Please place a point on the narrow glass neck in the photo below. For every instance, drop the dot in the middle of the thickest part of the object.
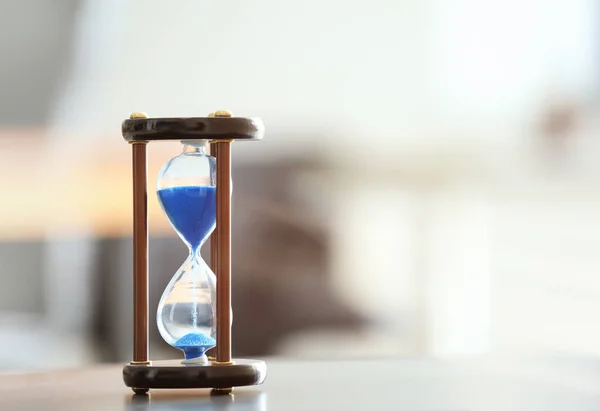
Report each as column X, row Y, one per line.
column 195, row 254
column 198, row 147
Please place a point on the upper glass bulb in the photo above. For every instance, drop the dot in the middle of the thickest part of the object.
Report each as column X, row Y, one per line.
column 187, row 194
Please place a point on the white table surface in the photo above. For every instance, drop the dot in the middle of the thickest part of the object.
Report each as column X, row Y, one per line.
column 402, row 384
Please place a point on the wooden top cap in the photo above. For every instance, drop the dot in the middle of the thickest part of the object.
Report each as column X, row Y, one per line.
column 220, row 125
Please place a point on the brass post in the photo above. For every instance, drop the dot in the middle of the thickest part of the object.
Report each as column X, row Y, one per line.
column 223, row 251
column 214, row 247
column 214, row 241
column 140, row 250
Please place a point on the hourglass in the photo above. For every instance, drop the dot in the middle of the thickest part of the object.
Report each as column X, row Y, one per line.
column 194, row 313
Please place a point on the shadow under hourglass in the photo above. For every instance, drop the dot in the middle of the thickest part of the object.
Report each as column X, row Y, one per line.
column 194, row 400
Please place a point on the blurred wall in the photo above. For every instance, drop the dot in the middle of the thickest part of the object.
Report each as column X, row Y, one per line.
column 423, row 118
column 35, row 49
column 403, row 73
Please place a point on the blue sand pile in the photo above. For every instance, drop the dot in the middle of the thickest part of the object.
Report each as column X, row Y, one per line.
column 194, row 344
column 191, row 210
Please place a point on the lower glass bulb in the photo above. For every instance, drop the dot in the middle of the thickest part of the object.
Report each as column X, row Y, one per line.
column 186, row 311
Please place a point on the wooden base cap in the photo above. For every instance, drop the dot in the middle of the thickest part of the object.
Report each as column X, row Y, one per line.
column 173, row 374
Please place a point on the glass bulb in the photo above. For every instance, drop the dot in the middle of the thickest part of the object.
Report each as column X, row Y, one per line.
column 186, row 311
column 187, row 194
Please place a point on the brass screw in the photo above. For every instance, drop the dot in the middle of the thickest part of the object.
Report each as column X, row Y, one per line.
column 138, row 114
column 222, row 113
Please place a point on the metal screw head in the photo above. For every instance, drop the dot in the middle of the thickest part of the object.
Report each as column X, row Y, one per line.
column 138, row 114
column 223, row 113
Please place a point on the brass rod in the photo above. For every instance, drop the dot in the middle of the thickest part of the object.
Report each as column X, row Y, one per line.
column 140, row 254
column 223, row 272
column 214, row 248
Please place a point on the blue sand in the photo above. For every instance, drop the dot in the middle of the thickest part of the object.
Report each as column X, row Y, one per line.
column 194, row 345
column 191, row 210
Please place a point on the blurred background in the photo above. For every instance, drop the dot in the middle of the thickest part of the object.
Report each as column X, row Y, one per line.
column 429, row 183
